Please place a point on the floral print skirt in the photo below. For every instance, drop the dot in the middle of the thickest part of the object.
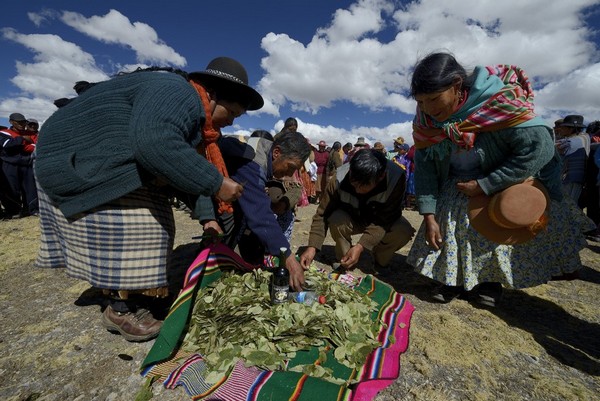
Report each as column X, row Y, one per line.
column 466, row 258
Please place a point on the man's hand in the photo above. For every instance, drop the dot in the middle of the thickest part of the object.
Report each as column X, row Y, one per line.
column 351, row 257
column 230, row 190
column 307, row 257
column 296, row 273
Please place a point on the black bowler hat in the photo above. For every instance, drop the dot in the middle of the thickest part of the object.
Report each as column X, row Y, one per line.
column 229, row 73
column 17, row 117
column 573, row 120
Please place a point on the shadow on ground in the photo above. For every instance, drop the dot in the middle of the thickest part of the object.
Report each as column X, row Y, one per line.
column 574, row 342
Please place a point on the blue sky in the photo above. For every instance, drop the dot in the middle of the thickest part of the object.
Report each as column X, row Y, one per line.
column 342, row 68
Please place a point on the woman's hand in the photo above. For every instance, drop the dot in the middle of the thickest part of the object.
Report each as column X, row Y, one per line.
column 470, row 188
column 211, row 230
column 433, row 236
column 230, row 190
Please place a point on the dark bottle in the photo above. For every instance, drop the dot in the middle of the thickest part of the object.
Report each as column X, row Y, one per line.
column 280, row 283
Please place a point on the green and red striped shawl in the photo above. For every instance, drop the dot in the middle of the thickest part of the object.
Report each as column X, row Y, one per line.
column 510, row 106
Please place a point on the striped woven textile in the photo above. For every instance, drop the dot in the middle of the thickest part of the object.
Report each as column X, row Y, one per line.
column 175, row 368
column 122, row 245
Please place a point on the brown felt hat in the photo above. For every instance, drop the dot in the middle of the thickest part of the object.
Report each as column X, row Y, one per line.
column 512, row 216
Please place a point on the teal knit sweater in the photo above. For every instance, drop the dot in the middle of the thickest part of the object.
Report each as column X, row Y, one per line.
column 507, row 157
column 122, row 134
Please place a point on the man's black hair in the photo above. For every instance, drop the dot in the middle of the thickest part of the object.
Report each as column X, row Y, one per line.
column 366, row 166
column 293, row 145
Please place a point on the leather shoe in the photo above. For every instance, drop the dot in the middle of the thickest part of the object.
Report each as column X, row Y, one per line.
column 138, row 326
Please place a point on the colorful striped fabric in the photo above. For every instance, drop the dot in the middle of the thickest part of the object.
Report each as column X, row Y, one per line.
column 175, row 368
column 511, row 106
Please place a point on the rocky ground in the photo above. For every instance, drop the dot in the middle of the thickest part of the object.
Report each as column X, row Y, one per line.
column 541, row 343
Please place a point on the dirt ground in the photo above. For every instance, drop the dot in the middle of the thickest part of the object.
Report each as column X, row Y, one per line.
column 541, row 343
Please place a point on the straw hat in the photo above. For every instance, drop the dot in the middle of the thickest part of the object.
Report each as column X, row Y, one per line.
column 512, row 216
column 360, row 141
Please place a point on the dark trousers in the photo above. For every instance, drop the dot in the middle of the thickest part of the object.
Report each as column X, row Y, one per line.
column 237, row 234
column 10, row 203
column 21, row 186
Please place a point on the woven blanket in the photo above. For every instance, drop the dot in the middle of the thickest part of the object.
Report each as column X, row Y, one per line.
column 173, row 367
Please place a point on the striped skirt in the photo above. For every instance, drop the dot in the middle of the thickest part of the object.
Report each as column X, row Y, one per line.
column 122, row 245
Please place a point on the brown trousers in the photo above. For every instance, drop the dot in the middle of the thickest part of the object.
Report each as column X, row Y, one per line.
column 342, row 227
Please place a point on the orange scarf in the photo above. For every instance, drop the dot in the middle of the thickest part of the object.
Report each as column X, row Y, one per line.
column 208, row 147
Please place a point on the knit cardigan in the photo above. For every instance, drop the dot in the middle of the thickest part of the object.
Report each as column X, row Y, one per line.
column 507, row 157
column 122, row 134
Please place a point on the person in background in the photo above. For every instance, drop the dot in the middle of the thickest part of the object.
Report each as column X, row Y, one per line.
column 321, row 157
column 557, row 130
column 574, row 148
column 379, row 146
column 261, row 133
column 335, row 160
column 253, row 226
column 347, row 148
column 290, row 124
column 463, row 159
column 402, row 160
column 17, row 148
column 362, row 199
column 360, row 144
column 104, row 198
column 411, row 199
column 592, row 180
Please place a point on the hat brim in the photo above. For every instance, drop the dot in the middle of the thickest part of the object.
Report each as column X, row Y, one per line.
column 480, row 220
column 573, row 125
column 248, row 95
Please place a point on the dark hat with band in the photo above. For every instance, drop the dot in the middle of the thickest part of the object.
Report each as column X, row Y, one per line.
column 573, row 120
column 17, row 117
column 225, row 71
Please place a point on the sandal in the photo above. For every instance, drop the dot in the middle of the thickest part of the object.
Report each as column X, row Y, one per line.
column 446, row 293
column 487, row 294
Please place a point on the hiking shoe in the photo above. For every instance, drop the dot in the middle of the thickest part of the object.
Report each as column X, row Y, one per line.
column 486, row 294
column 138, row 326
column 446, row 293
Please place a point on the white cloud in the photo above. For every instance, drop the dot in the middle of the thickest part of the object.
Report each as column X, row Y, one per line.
column 56, row 66
column 362, row 57
column 346, row 62
column 116, row 28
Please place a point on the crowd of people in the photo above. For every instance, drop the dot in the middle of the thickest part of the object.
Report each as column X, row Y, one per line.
column 498, row 196
column 18, row 192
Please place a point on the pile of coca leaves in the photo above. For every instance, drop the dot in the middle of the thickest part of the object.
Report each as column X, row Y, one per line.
column 234, row 319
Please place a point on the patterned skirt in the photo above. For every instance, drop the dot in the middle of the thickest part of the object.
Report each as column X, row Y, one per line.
column 467, row 258
column 122, row 245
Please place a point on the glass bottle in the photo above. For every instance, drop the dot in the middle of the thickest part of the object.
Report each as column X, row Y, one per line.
column 280, row 283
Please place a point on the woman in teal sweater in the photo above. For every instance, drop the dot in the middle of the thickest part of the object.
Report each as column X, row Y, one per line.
column 105, row 165
column 477, row 135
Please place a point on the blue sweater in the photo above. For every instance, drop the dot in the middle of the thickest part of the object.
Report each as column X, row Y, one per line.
column 122, row 134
